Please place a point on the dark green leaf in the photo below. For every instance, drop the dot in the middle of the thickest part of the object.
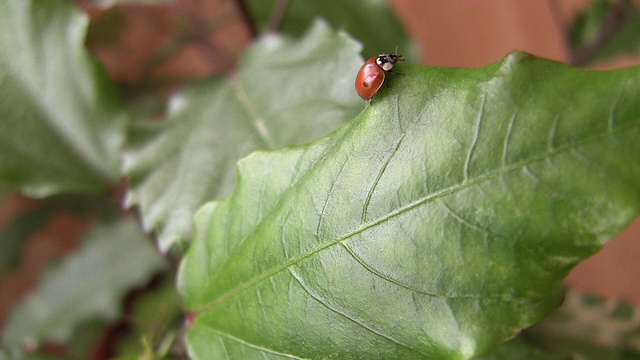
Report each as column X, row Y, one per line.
column 370, row 21
column 87, row 285
column 177, row 165
column 588, row 22
column 435, row 225
column 605, row 29
column 34, row 357
column 588, row 328
column 62, row 125
column 86, row 337
column 14, row 236
column 626, row 39
column 152, row 319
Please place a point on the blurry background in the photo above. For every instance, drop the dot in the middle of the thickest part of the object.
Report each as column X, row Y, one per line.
column 151, row 52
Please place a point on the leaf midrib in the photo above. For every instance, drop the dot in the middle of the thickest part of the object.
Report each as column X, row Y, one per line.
column 431, row 197
column 257, row 122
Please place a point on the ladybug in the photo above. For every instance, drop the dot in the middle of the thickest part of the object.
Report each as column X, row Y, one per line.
column 371, row 75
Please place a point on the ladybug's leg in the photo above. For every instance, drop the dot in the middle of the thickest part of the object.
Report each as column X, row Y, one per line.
column 392, row 73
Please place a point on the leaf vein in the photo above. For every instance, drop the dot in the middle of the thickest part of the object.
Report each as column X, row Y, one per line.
column 464, row 221
column 474, row 142
column 553, row 134
column 257, row 122
column 326, row 200
column 507, row 138
column 365, row 208
column 384, row 277
column 252, row 346
column 342, row 314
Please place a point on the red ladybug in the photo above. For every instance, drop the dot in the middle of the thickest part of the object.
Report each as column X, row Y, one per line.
column 371, row 75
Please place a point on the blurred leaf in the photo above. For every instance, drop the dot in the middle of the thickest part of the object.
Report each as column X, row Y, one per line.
column 14, row 236
column 108, row 3
column 86, row 338
column 370, row 21
column 605, row 29
column 588, row 328
column 62, row 125
column 587, row 23
column 33, row 357
column 435, row 225
column 177, row 165
column 153, row 318
column 518, row 349
column 87, row 285
column 626, row 39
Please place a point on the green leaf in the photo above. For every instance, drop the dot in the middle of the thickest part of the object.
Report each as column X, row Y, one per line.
column 588, row 22
column 108, row 3
column 34, row 357
column 370, row 21
column 87, row 285
column 13, row 236
column 588, row 328
column 62, row 124
column 626, row 39
column 605, row 29
column 435, row 225
column 177, row 165
column 152, row 317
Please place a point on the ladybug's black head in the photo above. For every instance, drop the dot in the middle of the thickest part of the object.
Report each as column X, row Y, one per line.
column 387, row 61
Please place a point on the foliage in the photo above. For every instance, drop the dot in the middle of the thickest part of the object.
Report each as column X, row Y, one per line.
column 435, row 223
column 78, row 289
column 53, row 91
column 179, row 164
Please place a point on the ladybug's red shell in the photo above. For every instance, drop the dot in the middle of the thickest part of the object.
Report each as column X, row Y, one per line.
column 372, row 73
column 369, row 79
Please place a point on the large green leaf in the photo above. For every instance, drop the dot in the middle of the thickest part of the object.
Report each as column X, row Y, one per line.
column 87, row 285
column 435, row 225
column 370, row 21
column 179, row 164
column 61, row 125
